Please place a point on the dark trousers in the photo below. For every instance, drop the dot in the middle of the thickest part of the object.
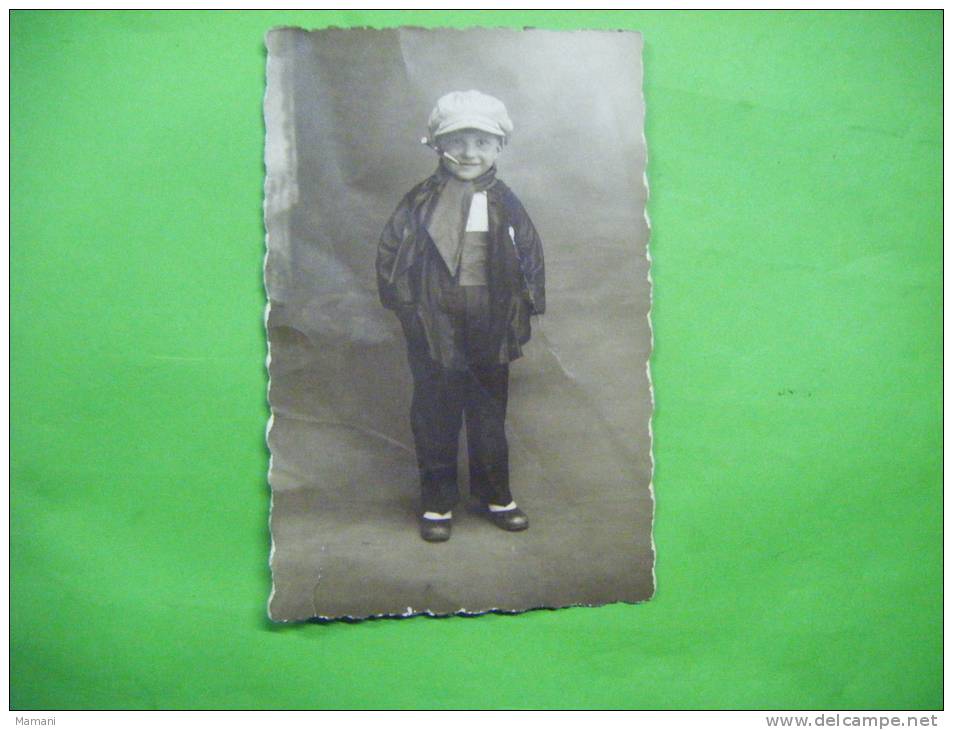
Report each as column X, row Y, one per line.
column 444, row 397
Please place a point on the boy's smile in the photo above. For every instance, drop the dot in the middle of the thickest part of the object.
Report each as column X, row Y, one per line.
column 475, row 151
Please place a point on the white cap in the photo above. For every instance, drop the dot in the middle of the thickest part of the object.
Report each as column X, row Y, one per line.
column 469, row 110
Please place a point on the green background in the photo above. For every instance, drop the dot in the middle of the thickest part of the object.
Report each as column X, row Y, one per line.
column 795, row 175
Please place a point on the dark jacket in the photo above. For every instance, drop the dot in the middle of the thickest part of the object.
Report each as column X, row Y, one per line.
column 411, row 273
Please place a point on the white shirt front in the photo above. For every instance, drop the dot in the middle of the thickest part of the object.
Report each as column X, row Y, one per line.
column 478, row 220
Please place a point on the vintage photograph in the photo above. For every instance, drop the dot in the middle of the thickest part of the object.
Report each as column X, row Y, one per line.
column 458, row 287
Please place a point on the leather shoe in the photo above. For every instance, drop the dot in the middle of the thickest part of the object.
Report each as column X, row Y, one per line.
column 512, row 520
column 435, row 530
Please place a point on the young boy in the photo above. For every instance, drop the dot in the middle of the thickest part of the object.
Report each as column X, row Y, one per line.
column 461, row 264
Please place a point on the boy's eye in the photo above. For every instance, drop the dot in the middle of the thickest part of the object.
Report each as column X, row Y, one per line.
column 482, row 143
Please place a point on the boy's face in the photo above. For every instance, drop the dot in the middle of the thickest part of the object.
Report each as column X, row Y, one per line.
column 476, row 152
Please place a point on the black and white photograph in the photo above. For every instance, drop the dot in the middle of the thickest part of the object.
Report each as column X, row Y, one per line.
column 458, row 322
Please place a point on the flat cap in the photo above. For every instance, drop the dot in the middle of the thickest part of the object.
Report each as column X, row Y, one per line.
column 469, row 110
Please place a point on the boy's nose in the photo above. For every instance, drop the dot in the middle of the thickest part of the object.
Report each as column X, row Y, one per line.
column 470, row 149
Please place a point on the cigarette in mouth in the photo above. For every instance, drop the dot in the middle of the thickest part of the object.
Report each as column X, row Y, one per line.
column 425, row 141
